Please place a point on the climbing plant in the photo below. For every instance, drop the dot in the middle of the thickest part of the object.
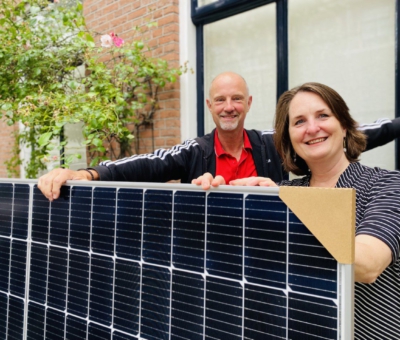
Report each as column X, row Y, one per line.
column 55, row 71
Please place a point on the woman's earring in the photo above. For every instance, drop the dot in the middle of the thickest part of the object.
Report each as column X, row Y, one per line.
column 294, row 157
column 344, row 145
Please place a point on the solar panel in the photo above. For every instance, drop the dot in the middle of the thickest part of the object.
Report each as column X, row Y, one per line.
column 164, row 261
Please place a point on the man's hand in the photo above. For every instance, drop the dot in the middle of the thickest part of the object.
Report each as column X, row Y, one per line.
column 51, row 183
column 207, row 180
column 254, row 181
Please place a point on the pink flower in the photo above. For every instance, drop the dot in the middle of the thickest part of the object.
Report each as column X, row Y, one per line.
column 106, row 40
column 117, row 40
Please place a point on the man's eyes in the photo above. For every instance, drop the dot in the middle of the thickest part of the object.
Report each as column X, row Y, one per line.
column 233, row 98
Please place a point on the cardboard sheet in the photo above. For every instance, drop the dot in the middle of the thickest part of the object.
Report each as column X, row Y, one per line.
column 329, row 214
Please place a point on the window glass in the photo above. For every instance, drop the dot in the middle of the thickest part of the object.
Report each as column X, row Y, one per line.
column 245, row 44
column 201, row 3
column 350, row 46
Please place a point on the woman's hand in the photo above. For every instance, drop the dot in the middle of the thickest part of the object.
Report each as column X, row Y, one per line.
column 254, row 181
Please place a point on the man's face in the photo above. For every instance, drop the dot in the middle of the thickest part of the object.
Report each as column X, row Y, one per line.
column 229, row 102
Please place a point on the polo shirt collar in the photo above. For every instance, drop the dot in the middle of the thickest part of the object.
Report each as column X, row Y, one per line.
column 219, row 151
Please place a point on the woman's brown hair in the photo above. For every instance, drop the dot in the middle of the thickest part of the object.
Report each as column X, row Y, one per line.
column 355, row 140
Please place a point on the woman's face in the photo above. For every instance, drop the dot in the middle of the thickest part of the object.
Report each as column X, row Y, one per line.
column 315, row 133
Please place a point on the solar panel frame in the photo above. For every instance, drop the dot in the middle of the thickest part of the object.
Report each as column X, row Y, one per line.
column 42, row 233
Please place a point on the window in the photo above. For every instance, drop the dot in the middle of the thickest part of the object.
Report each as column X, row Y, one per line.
column 244, row 43
column 348, row 45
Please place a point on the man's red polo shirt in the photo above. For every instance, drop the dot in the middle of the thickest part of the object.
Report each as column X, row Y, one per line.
column 228, row 167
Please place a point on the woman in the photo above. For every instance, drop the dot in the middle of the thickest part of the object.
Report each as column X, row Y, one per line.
column 317, row 137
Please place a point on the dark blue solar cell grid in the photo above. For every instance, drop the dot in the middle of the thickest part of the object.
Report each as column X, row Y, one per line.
column 103, row 220
column 101, row 289
column 189, row 233
column 57, row 279
column 40, row 216
column 187, row 314
column 21, row 211
column 265, row 313
column 59, row 218
column 96, row 332
column 18, row 268
column 6, row 204
column 36, row 321
column 157, row 226
column 312, row 269
column 78, row 284
column 38, row 273
column 228, row 279
column 121, row 336
column 55, row 325
column 15, row 318
column 311, row 317
column 5, row 264
column 3, row 315
column 224, row 301
column 156, row 293
column 76, row 328
column 81, row 212
column 265, row 242
column 129, row 223
column 126, row 296
column 225, row 235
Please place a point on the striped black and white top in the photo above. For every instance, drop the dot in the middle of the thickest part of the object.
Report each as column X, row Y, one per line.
column 377, row 305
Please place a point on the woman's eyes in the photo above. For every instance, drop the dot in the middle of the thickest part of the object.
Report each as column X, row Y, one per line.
column 301, row 121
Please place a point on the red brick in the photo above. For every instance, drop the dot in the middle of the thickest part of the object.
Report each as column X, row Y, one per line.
column 169, row 19
column 172, row 123
column 172, row 141
column 169, row 114
column 159, row 124
column 157, row 32
column 136, row 13
column 171, row 28
column 171, row 9
column 110, row 8
column 173, row 37
column 157, row 14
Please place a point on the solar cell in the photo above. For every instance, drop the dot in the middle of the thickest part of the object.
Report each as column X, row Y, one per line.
column 144, row 261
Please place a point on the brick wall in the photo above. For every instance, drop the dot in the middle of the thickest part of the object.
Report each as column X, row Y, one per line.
column 6, row 145
column 120, row 17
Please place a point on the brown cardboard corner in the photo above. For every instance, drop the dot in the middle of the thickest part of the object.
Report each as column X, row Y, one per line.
column 329, row 214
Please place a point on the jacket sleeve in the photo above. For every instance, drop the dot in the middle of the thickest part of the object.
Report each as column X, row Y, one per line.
column 381, row 132
column 161, row 166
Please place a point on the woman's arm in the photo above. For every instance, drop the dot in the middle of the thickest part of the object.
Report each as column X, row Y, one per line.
column 378, row 232
column 372, row 256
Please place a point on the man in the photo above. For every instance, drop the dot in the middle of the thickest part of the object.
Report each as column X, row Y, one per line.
column 229, row 151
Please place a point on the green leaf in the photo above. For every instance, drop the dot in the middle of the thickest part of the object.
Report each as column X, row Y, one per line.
column 89, row 37
column 44, row 138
